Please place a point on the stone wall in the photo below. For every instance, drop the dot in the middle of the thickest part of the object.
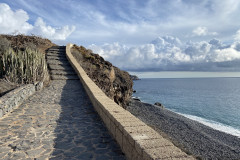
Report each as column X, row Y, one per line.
column 137, row 140
column 13, row 99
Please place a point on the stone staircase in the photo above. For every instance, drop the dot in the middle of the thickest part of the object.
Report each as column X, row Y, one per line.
column 58, row 65
column 57, row 122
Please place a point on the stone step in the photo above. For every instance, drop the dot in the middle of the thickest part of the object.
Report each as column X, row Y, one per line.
column 56, row 62
column 58, row 47
column 57, row 52
column 62, row 72
column 65, row 67
column 59, row 67
column 56, row 58
column 55, row 55
column 64, row 77
column 67, row 64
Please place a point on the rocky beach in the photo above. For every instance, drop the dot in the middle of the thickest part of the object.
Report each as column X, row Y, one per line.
column 191, row 136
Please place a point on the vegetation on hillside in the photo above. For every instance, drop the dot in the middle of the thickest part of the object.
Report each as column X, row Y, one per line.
column 22, row 60
column 115, row 83
column 21, row 42
column 26, row 66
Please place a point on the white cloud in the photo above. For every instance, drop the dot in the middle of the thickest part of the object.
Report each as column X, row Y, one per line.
column 203, row 31
column 226, row 55
column 40, row 28
column 169, row 53
column 17, row 22
column 11, row 21
column 134, row 22
column 137, row 22
column 237, row 35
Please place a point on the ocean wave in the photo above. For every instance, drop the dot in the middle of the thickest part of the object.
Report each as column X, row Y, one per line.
column 215, row 125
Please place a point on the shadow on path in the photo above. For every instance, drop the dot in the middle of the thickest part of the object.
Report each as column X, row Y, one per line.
column 80, row 133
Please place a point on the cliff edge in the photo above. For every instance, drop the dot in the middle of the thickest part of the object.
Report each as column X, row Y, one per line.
column 115, row 83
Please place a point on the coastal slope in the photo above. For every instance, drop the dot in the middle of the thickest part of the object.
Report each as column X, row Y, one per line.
column 115, row 83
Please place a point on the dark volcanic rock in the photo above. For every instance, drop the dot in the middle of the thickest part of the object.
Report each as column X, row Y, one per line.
column 134, row 77
column 158, row 104
column 115, row 83
column 136, row 99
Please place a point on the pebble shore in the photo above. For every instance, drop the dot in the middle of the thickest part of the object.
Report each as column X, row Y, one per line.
column 194, row 138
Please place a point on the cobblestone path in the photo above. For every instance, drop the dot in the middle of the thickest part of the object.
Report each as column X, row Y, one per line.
column 58, row 122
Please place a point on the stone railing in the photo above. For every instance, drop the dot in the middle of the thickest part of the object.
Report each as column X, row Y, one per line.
column 14, row 98
column 137, row 140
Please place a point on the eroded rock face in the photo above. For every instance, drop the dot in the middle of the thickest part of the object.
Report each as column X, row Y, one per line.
column 115, row 83
column 134, row 77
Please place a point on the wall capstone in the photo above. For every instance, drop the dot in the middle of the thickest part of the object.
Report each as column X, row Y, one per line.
column 14, row 98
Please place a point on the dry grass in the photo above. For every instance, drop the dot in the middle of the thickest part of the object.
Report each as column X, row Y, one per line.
column 21, row 42
column 114, row 82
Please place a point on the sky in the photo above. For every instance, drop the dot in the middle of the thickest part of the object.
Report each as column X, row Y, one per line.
column 137, row 35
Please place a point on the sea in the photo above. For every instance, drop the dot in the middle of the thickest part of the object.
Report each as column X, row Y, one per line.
column 214, row 102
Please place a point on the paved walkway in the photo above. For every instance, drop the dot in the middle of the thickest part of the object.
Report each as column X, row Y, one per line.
column 58, row 122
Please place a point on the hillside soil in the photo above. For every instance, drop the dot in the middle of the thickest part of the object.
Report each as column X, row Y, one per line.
column 22, row 41
column 115, row 83
column 5, row 87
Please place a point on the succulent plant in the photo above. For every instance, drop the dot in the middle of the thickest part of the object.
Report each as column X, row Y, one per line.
column 26, row 66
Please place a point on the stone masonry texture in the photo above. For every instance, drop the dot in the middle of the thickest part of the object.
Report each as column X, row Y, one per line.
column 14, row 98
column 137, row 140
column 58, row 122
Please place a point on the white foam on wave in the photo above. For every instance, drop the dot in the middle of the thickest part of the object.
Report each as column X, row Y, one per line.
column 215, row 125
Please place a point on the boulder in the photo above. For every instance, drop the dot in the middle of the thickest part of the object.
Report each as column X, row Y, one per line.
column 38, row 86
column 134, row 77
column 158, row 104
column 136, row 99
